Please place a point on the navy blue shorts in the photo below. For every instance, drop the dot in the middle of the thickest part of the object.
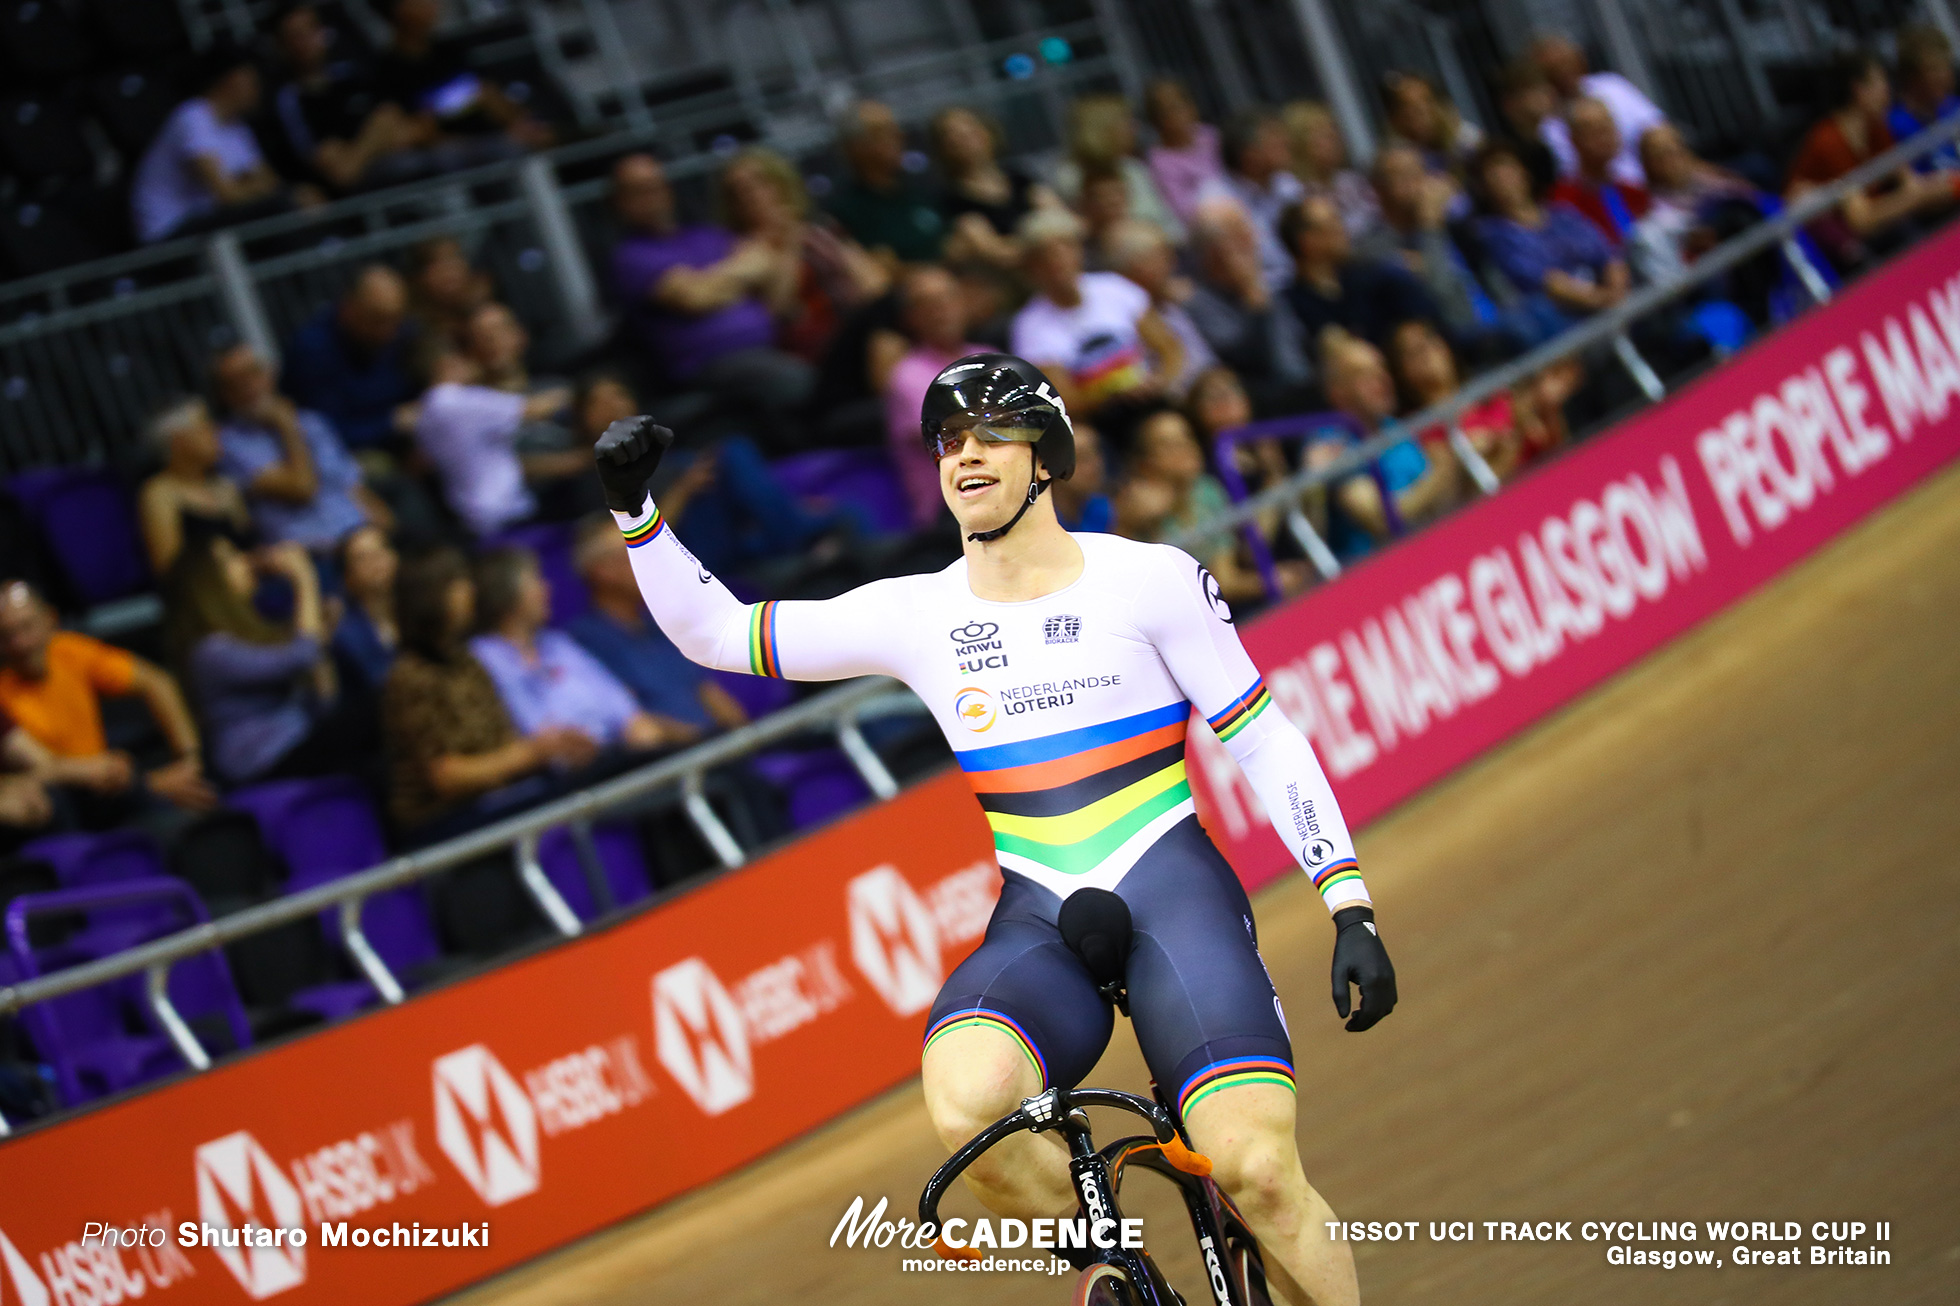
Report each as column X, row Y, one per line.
column 1204, row 1008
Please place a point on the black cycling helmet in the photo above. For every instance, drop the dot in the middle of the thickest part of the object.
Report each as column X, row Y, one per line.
column 1003, row 398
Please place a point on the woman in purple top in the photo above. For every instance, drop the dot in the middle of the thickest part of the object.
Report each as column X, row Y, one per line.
column 265, row 693
column 545, row 678
column 1556, row 258
column 1186, row 155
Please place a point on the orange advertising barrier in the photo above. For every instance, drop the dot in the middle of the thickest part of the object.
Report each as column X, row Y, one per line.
column 510, row 1113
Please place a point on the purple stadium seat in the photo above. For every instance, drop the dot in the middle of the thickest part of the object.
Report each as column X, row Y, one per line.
column 552, row 542
column 88, row 519
column 864, row 477
column 326, row 829
column 86, row 1036
column 758, row 695
column 817, row 783
column 84, row 860
column 619, row 853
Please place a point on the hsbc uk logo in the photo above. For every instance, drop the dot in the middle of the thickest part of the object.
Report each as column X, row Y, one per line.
column 245, row 1197
column 486, row 1125
column 27, row 1285
column 705, row 1032
column 898, row 936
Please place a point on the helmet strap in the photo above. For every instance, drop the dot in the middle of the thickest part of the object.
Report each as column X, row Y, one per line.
column 1035, row 486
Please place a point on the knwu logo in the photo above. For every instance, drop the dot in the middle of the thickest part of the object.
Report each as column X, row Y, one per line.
column 27, row 1285
column 233, row 1173
column 485, row 1125
column 700, row 1037
column 893, row 940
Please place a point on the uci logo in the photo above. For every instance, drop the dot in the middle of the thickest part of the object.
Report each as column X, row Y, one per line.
column 975, row 709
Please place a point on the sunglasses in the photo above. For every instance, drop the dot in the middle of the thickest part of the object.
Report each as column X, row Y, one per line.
column 951, row 439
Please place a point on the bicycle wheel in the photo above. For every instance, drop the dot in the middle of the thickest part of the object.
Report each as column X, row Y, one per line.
column 1103, row 1285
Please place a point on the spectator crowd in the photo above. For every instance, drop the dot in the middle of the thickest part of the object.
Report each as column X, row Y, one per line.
column 383, row 556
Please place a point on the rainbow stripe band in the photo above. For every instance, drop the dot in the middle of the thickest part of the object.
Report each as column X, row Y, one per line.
column 763, row 659
column 981, row 1018
column 1336, row 873
column 1241, row 710
column 645, row 532
column 1229, row 1074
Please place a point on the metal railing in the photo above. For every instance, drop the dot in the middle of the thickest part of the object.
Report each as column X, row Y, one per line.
column 1607, row 330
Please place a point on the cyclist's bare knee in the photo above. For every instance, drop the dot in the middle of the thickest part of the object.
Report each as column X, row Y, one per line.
column 1247, row 1131
column 972, row 1078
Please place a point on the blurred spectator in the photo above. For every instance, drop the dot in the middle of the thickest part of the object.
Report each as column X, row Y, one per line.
column 1695, row 207
column 351, row 363
column 1186, row 154
column 1853, row 132
column 469, row 432
column 726, row 499
column 26, row 771
column 1564, row 64
column 431, row 79
column 985, row 200
column 1320, row 161
column 265, row 693
column 1093, row 333
column 1422, row 116
column 302, row 483
column 449, row 738
column 1166, row 451
column 1102, row 137
column 1104, row 205
column 546, row 679
column 52, row 683
column 204, row 169
column 1217, row 404
column 701, row 301
column 188, row 496
column 763, row 200
column 1925, row 92
column 1413, row 235
column 935, row 322
column 1610, row 204
column 443, row 290
column 619, row 632
column 1081, row 502
column 1257, row 180
column 1332, row 287
column 1242, row 321
column 883, row 207
column 366, row 636
column 1359, row 384
column 1525, row 102
column 1143, row 254
column 1427, row 371
column 1557, row 261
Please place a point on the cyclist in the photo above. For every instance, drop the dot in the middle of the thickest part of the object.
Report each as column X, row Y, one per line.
column 1063, row 670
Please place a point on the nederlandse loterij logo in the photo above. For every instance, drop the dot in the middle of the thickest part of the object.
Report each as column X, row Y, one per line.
column 975, row 709
column 893, row 940
column 699, row 1036
column 485, row 1125
column 239, row 1186
column 28, row 1290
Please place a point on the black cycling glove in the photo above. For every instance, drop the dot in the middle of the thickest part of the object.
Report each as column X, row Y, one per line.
column 627, row 455
column 1361, row 960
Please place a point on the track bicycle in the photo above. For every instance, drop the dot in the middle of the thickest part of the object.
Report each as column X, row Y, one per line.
column 1095, row 924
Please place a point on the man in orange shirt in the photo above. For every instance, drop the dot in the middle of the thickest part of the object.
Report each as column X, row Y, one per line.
column 51, row 685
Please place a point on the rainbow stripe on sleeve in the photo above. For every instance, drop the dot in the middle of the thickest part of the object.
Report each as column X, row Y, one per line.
column 1233, row 717
column 1336, row 873
column 763, row 659
column 1066, row 802
column 646, row 531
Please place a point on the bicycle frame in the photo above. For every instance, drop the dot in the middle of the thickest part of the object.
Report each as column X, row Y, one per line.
column 1231, row 1256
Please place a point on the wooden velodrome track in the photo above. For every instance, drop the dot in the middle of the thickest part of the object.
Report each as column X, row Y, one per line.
column 1686, row 951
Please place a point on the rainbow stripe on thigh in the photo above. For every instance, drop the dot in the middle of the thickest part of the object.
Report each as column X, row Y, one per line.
column 1226, row 1074
column 981, row 1018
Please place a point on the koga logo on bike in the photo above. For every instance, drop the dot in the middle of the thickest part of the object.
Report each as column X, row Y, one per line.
column 699, row 1036
column 262, row 1246
column 486, row 1125
column 975, row 709
column 1215, row 1271
column 979, row 646
column 894, row 940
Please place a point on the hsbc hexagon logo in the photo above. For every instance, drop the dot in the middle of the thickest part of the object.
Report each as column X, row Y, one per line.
column 239, row 1186
column 486, row 1125
column 701, row 1038
column 894, row 940
column 27, row 1285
